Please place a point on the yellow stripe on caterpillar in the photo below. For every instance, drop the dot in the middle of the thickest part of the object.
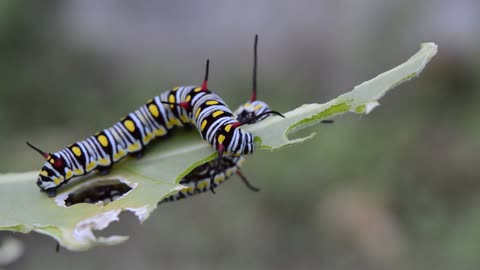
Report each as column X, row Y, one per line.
column 104, row 162
column 160, row 132
column 68, row 174
column 211, row 102
column 91, row 165
column 219, row 178
column 129, row 125
column 120, row 154
column 221, row 138
column 154, row 110
column 203, row 184
column 217, row 113
column 57, row 180
column 134, row 147
column 77, row 151
column 103, row 140
column 198, row 112
column 204, row 123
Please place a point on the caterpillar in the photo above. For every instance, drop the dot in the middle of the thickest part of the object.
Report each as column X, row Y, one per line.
column 178, row 107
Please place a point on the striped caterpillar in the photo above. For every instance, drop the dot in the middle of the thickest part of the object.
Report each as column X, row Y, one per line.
column 181, row 106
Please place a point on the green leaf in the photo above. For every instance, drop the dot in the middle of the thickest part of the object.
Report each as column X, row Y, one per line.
column 24, row 209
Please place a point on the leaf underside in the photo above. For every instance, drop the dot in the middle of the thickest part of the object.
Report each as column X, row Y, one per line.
column 24, row 209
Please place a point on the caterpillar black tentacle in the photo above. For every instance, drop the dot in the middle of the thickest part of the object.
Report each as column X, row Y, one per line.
column 179, row 107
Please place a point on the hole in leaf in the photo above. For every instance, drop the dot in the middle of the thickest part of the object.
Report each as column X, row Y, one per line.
column 100, row 192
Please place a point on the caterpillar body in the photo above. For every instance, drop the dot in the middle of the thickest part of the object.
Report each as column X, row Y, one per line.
column 198, row 180
column 181, row 106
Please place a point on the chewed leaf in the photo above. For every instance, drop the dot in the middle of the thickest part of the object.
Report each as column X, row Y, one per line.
column 363, row 99
column 138, row 185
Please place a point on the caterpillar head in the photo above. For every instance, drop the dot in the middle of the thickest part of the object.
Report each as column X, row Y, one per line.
column 250, row 110
column 50, row 176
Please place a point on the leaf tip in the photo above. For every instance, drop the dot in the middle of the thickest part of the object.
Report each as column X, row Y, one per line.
column 429, row 45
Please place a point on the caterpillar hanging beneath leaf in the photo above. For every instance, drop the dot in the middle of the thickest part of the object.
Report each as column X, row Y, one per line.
column 181, row 106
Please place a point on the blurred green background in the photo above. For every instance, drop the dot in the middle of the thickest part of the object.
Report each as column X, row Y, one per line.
column 397, row 189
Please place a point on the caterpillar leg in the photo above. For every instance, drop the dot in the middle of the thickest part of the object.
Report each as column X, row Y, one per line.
column 246, row 182
column 104, row 170
column 138, row 155
column 52, row 192
column 218, row 166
